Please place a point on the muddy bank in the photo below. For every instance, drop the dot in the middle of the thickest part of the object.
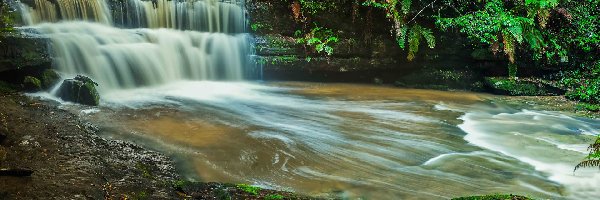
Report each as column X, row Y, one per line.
column 70, row 161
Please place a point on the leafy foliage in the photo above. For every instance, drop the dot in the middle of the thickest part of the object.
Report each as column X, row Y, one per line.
column 320, row 38
column 508, row 27
column 249, row 189
column 316, row 6
column 593, row 158
column 398, row 12
column 583, row 83
column 6, row 24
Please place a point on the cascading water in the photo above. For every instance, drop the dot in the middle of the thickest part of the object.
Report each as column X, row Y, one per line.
column 199, row 15
column 87, row 39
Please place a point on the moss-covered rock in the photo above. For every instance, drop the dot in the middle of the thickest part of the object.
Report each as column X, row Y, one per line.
column 442, row 79
column 81, row 90
column 49, row 78
column 32, row 84
column 520, row 87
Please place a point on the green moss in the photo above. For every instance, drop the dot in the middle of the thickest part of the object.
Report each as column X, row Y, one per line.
column 49, row 78
column 144, row 169
column 31, row 83
column 495, row 197
column 514, row 87
column 274, row 197
column 441, row 79
column 249, row 189
column 588, row 107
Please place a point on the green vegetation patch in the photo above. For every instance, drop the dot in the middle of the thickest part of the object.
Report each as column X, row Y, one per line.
column 249, row 189
column 495, row 197
column 274, row 197
column 31, row 83
column 516, row 87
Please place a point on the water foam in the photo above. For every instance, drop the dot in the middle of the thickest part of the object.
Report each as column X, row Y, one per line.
column 541, row 140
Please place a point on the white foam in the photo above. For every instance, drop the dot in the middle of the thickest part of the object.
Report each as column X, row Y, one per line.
column 525, row 136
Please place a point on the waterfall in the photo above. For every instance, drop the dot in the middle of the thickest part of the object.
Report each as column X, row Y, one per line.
column 132, row 43
column 199, row 15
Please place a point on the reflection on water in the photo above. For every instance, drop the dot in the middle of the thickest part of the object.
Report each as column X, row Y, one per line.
column 356, row 141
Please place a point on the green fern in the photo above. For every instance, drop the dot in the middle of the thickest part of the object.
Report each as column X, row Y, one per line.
column 397, row 11
column 401, row 36
column 593, row 158
column 406, row 6
column 417, row 33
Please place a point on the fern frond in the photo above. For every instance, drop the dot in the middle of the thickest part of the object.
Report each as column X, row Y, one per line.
column 587, row 163
column 509, row 46
column 401, row 36
column 516, row 31
column 406, row 6
column 429, row 38
column 414, row 40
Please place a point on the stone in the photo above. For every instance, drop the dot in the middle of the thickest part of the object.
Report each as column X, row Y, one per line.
column 80, row 89
column 17, row 172
column 49, row 79
column 3, row 153
column 520, row 87
column 32, row 84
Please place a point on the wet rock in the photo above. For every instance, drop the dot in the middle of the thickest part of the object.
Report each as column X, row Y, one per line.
column 3, row 154
column 18, row 172
column 20, row 50
column 49, row 78
column 2, row 137
column 81, row 90
column 32, row 84
column 520, row 87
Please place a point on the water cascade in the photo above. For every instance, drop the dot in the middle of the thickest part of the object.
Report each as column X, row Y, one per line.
column 198, row 15
column 133, row 43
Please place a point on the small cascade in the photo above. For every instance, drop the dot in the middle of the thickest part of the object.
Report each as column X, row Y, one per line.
column 198, row 15
column 65, row 10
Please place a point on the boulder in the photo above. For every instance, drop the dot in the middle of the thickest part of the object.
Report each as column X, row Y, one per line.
column 80, row 90
column 49, row 78
column 32, row 84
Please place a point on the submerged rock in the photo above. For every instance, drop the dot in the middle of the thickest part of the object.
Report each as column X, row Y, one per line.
column 81, row 90
column 32, row 84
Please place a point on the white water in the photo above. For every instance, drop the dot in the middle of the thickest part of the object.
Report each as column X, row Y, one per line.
column 198, row 15
column 124, row 58
column 551, row 142
column 86, row 39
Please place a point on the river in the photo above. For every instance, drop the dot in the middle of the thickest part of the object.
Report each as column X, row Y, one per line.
column 355, row 141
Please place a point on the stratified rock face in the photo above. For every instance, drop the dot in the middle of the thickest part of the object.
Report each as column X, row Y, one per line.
column 23, row 49
column 81, row 90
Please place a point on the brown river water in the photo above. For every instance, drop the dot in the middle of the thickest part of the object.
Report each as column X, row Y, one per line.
column 355, row 141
